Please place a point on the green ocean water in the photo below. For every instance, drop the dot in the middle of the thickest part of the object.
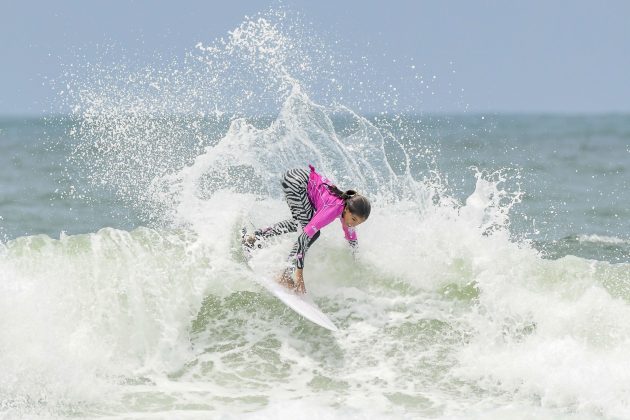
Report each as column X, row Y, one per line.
column 573, row 171
column 462, row 302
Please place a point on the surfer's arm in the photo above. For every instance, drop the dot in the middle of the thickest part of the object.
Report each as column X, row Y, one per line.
column 299, row 281
column 298, row 253
column 301, row 246
column 354, row 248
column 351, row 237
column 287, row 280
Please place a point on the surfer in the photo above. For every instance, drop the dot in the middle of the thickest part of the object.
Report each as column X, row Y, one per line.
column 314, row 203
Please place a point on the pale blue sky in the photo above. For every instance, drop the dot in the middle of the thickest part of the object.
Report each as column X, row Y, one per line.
column 494, row 56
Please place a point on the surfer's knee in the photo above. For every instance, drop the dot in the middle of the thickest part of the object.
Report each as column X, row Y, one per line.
column 288, row 176
column 285, row 181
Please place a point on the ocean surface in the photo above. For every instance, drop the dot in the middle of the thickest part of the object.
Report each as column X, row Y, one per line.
column 493, row 279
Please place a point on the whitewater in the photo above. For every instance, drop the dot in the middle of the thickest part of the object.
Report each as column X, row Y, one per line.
column 448, row 312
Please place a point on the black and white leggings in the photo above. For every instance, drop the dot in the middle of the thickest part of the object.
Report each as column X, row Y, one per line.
column 294, row 183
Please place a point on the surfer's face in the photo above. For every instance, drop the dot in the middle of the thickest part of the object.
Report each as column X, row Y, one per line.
column 351, row 220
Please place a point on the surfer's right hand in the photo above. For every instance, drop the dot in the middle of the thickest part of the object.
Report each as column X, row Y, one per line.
column 299, row 281
column 286, row 279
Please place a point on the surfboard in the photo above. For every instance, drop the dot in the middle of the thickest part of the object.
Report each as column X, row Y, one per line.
column 299, row 303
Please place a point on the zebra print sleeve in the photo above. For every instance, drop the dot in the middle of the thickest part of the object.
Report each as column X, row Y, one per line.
column 301, row 246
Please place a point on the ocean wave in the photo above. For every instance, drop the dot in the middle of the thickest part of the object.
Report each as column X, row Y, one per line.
column 603, row 239
column 126, row 311
column 443, row 312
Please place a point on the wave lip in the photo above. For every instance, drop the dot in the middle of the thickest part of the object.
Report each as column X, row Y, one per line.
column 603, row 239
column 605, row 248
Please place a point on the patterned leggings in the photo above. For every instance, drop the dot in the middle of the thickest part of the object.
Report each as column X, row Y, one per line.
column 294, row 182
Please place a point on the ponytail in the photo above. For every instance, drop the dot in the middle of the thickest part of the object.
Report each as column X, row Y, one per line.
column 344, row 195
column 356, row 203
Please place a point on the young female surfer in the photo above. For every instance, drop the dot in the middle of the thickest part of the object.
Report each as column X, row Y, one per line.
column 314, row 203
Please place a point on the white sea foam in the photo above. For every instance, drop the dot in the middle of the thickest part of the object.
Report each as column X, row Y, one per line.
column 444, row 315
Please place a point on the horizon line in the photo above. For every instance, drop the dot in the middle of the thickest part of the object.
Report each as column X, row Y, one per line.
column 371, row 114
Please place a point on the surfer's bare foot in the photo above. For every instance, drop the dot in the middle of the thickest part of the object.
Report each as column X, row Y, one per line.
column 247, row 239
column 252, row 241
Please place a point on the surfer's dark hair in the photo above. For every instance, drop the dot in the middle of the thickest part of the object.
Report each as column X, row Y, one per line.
column 355, row 203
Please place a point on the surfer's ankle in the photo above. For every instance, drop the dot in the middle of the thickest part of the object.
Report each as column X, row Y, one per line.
column 248, row 239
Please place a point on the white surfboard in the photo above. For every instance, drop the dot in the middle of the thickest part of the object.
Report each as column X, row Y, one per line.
column 294, row 300
column 299, row 303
